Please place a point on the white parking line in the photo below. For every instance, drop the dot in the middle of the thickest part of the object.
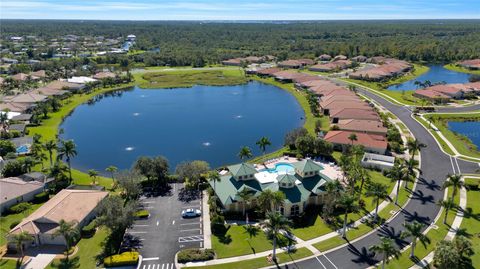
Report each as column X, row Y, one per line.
column 189, row 230
column 158, row 222
column 141, row 225
column 192, row 206
column 148, row 207
column 134, row 232
column 458, row 166
column 190, row 223
column 151, row 259
column 193, row 238
column 453, row 167
column 173, row 222
column 320, row 262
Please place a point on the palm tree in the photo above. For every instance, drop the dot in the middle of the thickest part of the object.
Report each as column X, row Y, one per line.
column 28, row 163
column 352, row 137
column 93, row 174
column 347, row 202
column 40, row 158
column 273, row 225
column 245, row 153
column 215, row 177
column 378, row 192
column 387, row 248
column 263, row 143
column 69, row 231
column 270, row 200
column 58, row 170
column 112, row 169
column 397, row 173
column 365, row 177
column 454, row 181
column 67, row 150
column 414, row 146
column 19, row 239
column 414, row 230
column 50, row 146
column 409, row 171
column 245, row 195
column 447, row 204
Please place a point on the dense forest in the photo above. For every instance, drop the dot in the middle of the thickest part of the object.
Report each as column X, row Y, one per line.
column 199, row 43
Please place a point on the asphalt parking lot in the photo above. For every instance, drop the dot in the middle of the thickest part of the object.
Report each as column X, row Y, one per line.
column 165, row 232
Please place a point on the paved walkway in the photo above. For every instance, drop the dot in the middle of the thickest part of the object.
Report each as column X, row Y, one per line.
column 207, row 232
column 40, row 261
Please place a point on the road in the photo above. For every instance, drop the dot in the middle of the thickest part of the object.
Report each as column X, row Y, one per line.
column 435, row 166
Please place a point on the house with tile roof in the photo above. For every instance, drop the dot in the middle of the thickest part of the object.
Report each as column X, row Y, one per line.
column 14, row 190
column 372, row 143
column 303, row 184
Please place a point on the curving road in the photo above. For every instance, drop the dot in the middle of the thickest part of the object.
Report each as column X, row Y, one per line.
column 473, row 108
column 435, row 166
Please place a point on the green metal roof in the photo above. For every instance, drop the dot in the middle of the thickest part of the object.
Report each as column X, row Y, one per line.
column 286, row 178
column 242, row 169
column 307, row 165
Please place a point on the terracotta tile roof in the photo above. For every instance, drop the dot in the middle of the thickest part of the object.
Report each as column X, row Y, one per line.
column 102, row 75
column 431, row 94
column 15, row 107
column 269, row 71
column 475, row 63
column 39, row 74
column 367, row 140
column 445, row 89
column 338, row 104
column 326, row 67
column 372, row 126
column 354, row 113
column 25, row 98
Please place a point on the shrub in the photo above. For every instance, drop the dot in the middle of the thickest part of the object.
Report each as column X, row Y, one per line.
column 142, row 214
column 13, row 224
column 126, row 258
column 89, row 230
column 195, row 255
column 19, row 208
column 41, row 197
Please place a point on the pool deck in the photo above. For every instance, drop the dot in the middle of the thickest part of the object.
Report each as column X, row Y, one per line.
column 330, row 169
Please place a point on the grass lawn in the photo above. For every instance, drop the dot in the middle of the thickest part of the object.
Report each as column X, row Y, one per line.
column 404, row 97
column 49, row 130
column 461, row 143
column 6, row 221
column 471, row 220
column 260, row 262
column 236, row 242
column 444, row 145
column 189, row 78
column 8, row 263
column 457, row 68
column 85, row 258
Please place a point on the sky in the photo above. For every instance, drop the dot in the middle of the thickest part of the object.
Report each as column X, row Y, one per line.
column 239, row 9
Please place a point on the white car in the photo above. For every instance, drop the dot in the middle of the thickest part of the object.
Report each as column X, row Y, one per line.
column 191, row 213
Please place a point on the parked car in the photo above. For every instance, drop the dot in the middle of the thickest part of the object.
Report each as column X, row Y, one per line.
column 191, row 213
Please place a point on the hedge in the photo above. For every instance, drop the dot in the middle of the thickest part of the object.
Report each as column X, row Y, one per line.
column 19, row 208
column 142, row 214
column 89, row 230
column 41, row 197
column 13, row 224
column 195, row 255
column 126, row 258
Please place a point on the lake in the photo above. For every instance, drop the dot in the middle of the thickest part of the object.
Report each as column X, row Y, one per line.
column 436, row 73
column 470, row 129
column 199, row 123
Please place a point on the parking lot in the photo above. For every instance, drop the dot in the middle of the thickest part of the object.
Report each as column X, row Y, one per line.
column 165, row 232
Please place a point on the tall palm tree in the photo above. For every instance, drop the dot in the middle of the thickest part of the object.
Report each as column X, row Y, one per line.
column 454, row 181
column 270, row 200
column 387, row 248
column 67, row 150
column 364, row 177
column 347, row 202
column 397, row 173
column 215, row 177
column 263, row 143
column 28, row 163
column 414, row 146
column 273, row 225
column 112, row 170
column 69, row 231
column 19, row 239
column 245, row 195
column 414, row 230
column 50, row 146
column 410, row 171
column 245, row 153
column 378, row 192
column 352, row 137
column 93, row 174
column 447, row 204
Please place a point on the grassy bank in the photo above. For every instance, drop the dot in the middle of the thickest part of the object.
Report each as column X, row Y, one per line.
column 456, row 68
column 236, row 242
column 189, row 78
column 471, row 220
column 404, row 97
column 461, row 143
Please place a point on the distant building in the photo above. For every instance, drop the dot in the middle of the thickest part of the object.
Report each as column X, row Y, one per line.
column 131, row 38
column 378, row 161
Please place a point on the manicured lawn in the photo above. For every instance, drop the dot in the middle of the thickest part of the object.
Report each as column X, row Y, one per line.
column 461, row 143
column 8, row 264
column 457, row 68
column 471, row 221
column 260, row 262
column 6, row 221
column 236, row 242
column 188, row 78
column 444, row 145
column 88, row 249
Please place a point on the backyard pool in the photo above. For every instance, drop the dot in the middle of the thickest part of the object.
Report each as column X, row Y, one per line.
column 281, row 168
column 184, row 124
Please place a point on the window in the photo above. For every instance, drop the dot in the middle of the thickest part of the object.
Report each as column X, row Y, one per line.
column 295, row 210
column 240, row 177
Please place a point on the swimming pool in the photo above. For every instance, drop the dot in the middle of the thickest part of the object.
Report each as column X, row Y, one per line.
column 281, row 168
column 23, row 149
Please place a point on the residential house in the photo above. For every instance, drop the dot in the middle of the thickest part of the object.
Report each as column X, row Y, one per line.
column 371, row 143
column 353, row 113
column 362, row 126
column 378, row 161
column 14, row 190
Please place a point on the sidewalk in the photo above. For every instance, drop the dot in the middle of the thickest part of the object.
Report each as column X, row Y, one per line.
column 207, row 232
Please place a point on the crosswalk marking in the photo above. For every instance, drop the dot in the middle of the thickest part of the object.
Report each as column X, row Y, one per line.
column 158, row 266
column 190, row 238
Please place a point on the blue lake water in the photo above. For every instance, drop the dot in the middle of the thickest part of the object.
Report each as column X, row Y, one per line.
column 436, row 74
column 470, row 129
column 199, row 123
